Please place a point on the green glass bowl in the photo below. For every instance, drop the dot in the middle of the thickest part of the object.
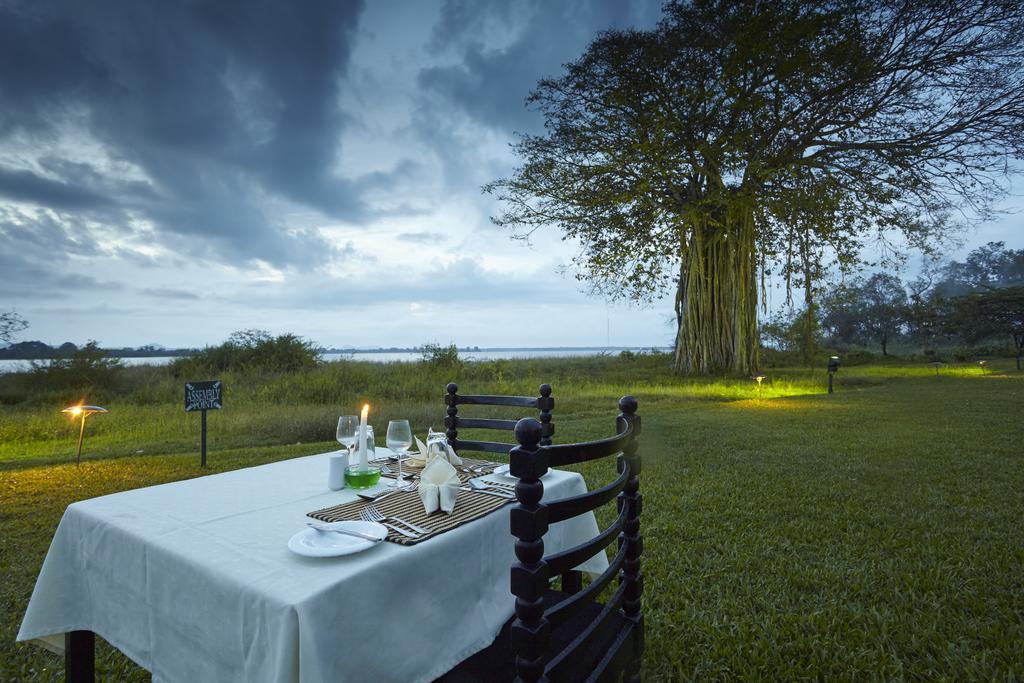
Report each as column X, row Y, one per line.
column 358, row 478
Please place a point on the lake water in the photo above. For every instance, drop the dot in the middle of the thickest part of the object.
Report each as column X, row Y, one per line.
column 389, row 356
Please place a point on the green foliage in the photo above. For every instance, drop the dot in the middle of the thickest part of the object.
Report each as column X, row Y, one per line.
column 866, row 311
column 742, row 134
column 10, row 324
column 440, row 356
column 250, row 350
column 86, row 370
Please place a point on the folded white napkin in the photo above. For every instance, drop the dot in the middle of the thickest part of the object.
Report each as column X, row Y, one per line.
column 436, row 449
column 439, row 486
column 420, row 457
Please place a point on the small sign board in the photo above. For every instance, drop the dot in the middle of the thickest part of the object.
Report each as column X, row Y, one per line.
column 203, row 396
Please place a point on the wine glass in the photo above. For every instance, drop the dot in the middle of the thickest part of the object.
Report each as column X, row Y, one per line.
column 399, row 439
column 348, row 430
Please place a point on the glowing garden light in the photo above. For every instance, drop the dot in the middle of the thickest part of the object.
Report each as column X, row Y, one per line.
column 983, row 364
column 84, row 412
column 759, row 379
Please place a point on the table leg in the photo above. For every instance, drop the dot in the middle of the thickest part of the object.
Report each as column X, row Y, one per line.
column 80, row 657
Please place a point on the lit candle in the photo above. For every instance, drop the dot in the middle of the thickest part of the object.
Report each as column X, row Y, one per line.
column 362, row 437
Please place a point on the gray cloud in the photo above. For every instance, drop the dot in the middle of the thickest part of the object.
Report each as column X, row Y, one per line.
column 26, row 186
column 219, row 105
column 421, row 237
column 169, row 293
column 490, row 84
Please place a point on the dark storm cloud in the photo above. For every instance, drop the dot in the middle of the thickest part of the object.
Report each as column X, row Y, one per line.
column 26, row 186
column 218, row 104
column 490, row 84
column 35, row 254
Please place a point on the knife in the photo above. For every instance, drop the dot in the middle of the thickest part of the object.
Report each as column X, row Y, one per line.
column 347, row 532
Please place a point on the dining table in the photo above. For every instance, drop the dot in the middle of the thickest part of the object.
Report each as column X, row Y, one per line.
column 194, row 581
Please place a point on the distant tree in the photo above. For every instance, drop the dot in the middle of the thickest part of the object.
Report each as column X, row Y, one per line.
column 10, row 324
column 884, row 308
column 688, row 157
column 867, row 311
column 993, row 312
column 788, row 331
column 839, row 312
column 991, row 265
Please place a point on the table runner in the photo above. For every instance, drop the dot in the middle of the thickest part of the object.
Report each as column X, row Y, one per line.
column 194, row 582
column 482, row 467
column 469, row 505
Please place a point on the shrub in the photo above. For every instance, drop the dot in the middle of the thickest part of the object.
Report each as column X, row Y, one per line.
column 440, row 356
column 252, row 350
column 88, row 369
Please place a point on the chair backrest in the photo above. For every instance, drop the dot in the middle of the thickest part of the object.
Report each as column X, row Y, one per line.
column 453, row 421
column 530, row 576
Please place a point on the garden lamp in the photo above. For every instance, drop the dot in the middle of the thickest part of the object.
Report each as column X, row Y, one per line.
column 833, row 368
column 983, row 364
column 84, row 411
column 759, row 379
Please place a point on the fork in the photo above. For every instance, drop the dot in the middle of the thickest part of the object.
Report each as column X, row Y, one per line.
column 377, row 516
column 369, row 517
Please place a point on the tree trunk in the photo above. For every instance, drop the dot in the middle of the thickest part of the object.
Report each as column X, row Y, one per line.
column 810, row 318
column 718, row 296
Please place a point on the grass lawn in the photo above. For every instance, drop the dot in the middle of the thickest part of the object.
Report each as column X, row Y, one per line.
column 875, row 533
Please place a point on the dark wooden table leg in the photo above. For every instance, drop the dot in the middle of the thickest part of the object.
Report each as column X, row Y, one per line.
column 80, row 657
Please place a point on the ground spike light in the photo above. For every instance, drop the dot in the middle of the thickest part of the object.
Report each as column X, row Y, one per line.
column 833, row 368
column 84, row 411
column 759, row 379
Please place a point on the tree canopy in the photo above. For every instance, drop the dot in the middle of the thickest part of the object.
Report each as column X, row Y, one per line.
column 740, row 136
column 10, row 324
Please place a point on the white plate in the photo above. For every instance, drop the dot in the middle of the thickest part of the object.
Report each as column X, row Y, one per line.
column 502, row 470
column 313, row 543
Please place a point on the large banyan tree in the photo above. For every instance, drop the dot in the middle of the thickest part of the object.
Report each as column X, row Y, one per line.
column 740, row 136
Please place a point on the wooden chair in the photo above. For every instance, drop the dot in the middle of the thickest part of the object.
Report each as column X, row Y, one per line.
column 559, row 635
column 544, row 403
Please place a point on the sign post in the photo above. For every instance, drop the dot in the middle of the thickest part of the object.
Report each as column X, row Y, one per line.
column 203, row 396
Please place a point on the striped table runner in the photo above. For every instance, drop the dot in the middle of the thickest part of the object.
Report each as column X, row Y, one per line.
column 410, row 471
column 469, row 505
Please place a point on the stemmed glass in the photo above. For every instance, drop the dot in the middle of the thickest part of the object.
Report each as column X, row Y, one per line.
column 348, row 430
column 399, row 440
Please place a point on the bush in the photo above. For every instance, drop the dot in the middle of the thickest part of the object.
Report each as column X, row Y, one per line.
column 252, row 350
column 88, row 369
column 440, row 356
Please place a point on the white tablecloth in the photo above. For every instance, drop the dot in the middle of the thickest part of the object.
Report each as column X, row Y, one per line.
column 194, row 582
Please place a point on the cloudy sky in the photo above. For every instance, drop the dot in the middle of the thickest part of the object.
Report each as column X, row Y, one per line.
column 173, row 171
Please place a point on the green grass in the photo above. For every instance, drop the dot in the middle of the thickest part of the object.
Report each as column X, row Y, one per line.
column 872, row 534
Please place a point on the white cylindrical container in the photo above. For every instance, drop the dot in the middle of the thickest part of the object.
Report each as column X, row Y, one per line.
column 336, row 470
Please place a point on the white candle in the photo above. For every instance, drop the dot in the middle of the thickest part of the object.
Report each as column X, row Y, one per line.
column 362, row 437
